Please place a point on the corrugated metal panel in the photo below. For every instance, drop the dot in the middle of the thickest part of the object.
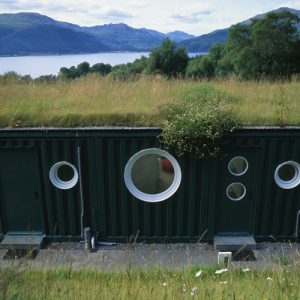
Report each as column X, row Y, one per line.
column 116, row 214
column 113, row 213
column 60, row 209
column 277, row 209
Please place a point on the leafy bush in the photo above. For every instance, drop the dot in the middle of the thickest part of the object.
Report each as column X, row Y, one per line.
column 130, row 71
column 197, row 122
column 200, row 67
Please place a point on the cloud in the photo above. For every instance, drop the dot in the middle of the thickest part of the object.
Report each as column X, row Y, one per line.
column 192, row 14
column 111, row 14
column 117, row 14
column 20, row 5
column 292, row 4
column 137, row 4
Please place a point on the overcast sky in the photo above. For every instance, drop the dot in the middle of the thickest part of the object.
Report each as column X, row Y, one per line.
column 195, row 17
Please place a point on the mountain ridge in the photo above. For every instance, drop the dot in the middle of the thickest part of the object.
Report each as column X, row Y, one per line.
column 32, row 33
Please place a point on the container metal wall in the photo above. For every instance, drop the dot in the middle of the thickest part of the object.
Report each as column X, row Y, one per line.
column 60, row 208
column 194, row 211
column 117, row 214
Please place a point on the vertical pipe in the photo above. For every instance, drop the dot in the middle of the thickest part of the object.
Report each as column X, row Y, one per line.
column 80, row 188
column 297, row 225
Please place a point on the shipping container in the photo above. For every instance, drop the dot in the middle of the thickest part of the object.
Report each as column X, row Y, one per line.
column 118, row 182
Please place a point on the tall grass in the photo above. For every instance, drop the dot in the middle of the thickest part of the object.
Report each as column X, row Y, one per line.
column 95, row 100
column 265, row 103
column 87, row 101
column 154, row 284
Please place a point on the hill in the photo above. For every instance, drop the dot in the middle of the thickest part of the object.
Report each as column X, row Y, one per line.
column 120, row 37
column 32, row 33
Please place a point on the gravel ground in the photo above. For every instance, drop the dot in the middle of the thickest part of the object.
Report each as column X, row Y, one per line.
column 136, row 246
column 110, row 256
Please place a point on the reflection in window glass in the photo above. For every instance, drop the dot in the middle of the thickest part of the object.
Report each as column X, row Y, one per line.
column 236, row 191
column 152, row 174
column 238, row 166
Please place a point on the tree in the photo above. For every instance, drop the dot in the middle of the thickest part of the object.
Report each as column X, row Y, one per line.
column 276, row 42
column 200, row 67
column 101, row 68
column 83, row 68
column 168, row 59
column 269, row 47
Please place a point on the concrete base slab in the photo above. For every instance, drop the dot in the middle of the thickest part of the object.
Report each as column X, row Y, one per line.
column 234, row 243
column 22, row 242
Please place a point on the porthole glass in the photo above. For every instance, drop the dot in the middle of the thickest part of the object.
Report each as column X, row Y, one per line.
column 238, row 166
column 152, row 175
column 63, row 175
column 236, row 191
column 287, row 175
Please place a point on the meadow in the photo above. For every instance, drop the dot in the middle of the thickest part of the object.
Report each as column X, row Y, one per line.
column 192, row 283
column 101, row 101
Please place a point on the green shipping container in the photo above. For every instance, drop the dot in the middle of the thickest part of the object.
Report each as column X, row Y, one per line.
column 57, row 181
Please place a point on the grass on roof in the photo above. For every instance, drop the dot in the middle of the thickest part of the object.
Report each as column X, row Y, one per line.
column 98, row 101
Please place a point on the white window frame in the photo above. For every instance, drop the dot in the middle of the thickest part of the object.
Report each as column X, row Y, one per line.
column 240, row 174
column 152, row 198
column 57, row 182
column 288, row 184
column 239, row 198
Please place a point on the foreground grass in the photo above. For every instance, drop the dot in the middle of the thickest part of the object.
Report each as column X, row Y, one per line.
column 153, row 284
column 96, row 101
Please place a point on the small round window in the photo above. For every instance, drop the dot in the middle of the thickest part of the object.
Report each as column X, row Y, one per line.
column 63, row 175
column 238, row 166
column 287, row 175
column 236, row 191
column 152, row 175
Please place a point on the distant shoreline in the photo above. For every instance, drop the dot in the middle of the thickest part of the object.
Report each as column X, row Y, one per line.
column 89, row 53
column 70, row 53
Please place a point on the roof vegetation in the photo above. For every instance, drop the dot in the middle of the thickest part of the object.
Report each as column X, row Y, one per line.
column 94, row 100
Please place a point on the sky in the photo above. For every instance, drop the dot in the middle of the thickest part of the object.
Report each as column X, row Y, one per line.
column 194, row 17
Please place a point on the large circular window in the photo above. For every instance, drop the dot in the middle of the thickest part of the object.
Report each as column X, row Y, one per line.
column 63, row 175
column 238, row 166
column 236, row 191
column 287, row 175
column 152, row 175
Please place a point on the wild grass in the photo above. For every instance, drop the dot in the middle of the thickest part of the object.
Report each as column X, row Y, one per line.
column 281, row 283
column 87, row 101
column 263, row 102
column 98, row 101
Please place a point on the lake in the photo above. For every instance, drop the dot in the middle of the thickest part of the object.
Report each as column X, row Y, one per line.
column 36, row 66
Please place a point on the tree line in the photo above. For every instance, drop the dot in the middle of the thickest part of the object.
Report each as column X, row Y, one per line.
column 268, row 47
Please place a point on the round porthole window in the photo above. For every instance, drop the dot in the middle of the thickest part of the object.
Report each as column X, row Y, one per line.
column 63, row 175
column 238, row 166
column 152, row 175
column 287, row 175
column 236, row 191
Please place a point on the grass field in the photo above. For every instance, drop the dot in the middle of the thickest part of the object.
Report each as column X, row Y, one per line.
column 154, row 284
column 95, row 101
